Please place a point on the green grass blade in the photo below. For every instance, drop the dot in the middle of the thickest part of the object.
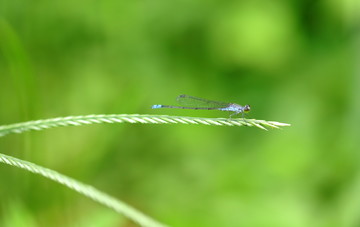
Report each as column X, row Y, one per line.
column 84, row 189
column 133, row 118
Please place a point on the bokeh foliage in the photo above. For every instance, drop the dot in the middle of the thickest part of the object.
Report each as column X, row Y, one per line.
column 292, row 61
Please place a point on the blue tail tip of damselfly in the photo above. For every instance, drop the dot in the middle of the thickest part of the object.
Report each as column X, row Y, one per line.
column 156, row 106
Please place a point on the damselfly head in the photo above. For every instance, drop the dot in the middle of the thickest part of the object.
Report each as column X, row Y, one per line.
column 246, row 108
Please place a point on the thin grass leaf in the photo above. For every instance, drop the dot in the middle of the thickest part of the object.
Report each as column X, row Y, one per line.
column 133, row 118
column 84, row 189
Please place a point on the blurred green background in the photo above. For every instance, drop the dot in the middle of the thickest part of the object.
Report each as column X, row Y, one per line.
column 292, row 61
